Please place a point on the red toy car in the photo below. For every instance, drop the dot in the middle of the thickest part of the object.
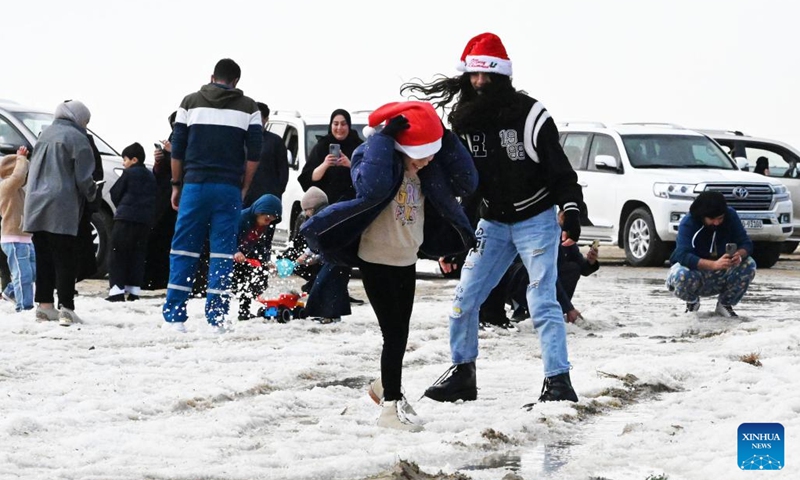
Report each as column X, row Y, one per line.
column 284, row 308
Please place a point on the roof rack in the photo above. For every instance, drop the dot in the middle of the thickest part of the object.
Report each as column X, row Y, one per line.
column 655, row 124
column 582, row 124
column 289, row 113
column 727, row 132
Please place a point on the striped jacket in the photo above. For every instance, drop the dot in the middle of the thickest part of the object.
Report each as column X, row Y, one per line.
column 215, row 130
column 522, row 168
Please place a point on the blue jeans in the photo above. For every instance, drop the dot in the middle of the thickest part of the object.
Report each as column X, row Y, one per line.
column 22, row 263
column 730, row 284
column 536, row 240
column 206, row 210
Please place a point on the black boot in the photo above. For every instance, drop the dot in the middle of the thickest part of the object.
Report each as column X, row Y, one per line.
column 557, row 388
column 460, row 385
column 244, row 310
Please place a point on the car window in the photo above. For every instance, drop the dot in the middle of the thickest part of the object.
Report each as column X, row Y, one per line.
column 9, row 135
column 780, row 160
column 290, row 139
column 603, row 145
column 102, row 146
column 276, row 128
column 675, row 151
column 35, row 122
column 574, row 147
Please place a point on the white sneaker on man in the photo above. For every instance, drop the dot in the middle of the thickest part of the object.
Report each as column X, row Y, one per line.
column 179, row 327
column 725, row 311
column 46, row 314
column 376, row 391
column 67, row 317
column 394, row 414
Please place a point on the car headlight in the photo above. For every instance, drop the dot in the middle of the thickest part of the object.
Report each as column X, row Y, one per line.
column 780, row 193
column 684, row 191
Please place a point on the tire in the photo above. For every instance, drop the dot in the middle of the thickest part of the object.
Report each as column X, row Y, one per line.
column 766, row 254
column 643, row 247
column 284, row 315
column 299, row 312
column 789, row 247
column 261, row 312
column 102, row 222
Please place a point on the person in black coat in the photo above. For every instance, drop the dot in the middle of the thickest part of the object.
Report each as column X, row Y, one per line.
column 156, row 268
column 327, row 171
column 134, row 195
column 272, row 174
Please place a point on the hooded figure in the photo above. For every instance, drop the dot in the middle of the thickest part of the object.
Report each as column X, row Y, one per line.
column 335, row 182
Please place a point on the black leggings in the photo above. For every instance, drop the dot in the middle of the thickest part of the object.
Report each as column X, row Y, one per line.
column 391, row 293
column 56, row 267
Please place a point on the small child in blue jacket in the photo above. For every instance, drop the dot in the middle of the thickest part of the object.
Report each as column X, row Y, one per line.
column 253, row 255
column 134, row 196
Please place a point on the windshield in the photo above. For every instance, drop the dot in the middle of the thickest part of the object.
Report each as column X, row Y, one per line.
column 36, row 122
column 675, row 151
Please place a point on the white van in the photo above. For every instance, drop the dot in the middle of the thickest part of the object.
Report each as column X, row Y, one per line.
column 300, row 134
column 639, row 179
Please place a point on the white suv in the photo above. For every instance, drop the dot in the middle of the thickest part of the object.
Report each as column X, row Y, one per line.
column 784, row 166
column 300, row 134
column 639, row 179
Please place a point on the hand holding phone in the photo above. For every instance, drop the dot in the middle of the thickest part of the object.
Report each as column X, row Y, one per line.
column 158, row 146
column 730, row 249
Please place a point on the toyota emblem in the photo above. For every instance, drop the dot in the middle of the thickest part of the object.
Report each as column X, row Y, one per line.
column 740, row 192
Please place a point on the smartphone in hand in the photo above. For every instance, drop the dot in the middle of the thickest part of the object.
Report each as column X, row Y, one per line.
column 730, row 249
column 335, row 149
column 158, row 146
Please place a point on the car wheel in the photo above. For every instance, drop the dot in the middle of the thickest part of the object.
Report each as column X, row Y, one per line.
column 101, row 222
column 766, row 254
column 643, row 247
column 789, row 247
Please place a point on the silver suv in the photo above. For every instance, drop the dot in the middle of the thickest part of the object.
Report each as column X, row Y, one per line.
column 300, row 134
column 21, row 126
column 784, row 166
column 639, row 179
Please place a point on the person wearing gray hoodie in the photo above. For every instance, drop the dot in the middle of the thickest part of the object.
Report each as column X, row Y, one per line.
column 59, row 185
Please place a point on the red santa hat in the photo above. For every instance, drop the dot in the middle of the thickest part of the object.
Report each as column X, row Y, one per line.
column 485, row 53
column 422, row 138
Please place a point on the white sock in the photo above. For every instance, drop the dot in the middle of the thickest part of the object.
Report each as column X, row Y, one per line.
column 133, row 290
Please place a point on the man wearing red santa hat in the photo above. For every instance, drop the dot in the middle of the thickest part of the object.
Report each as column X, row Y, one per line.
column 523, row 174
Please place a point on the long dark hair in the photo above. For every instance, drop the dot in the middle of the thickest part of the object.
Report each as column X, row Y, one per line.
column 471, row 111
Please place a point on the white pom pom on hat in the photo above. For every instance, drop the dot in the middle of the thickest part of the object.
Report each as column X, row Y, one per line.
column 423, row 137
column 485, row 53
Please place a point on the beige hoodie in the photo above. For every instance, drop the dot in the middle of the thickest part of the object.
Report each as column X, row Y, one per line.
column 13, row 173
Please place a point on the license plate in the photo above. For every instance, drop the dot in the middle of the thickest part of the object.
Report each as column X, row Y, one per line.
column 753, row 224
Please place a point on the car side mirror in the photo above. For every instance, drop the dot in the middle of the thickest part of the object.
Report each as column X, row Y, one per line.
column 606, row 162
column 742, row 163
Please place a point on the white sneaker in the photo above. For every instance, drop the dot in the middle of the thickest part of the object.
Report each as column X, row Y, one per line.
column 394, row 415
column 692, row 307
column 46, row 314
column 220, row 328
column 67, row 317
column 376, row 391
column 179, row 327
column 725, row 311
column 376, row 394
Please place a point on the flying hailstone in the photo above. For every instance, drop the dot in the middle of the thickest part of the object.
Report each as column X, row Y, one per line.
column 761, row 462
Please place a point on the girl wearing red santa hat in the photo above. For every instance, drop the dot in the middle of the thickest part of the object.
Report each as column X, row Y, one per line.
column 407, row 178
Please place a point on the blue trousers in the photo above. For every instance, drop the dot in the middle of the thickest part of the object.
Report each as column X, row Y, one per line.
column 536, row 241
column 206, row 210
column 22, row 263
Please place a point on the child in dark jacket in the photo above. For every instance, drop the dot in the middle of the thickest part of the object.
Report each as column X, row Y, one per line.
column 134, row 196
column 253, row 255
